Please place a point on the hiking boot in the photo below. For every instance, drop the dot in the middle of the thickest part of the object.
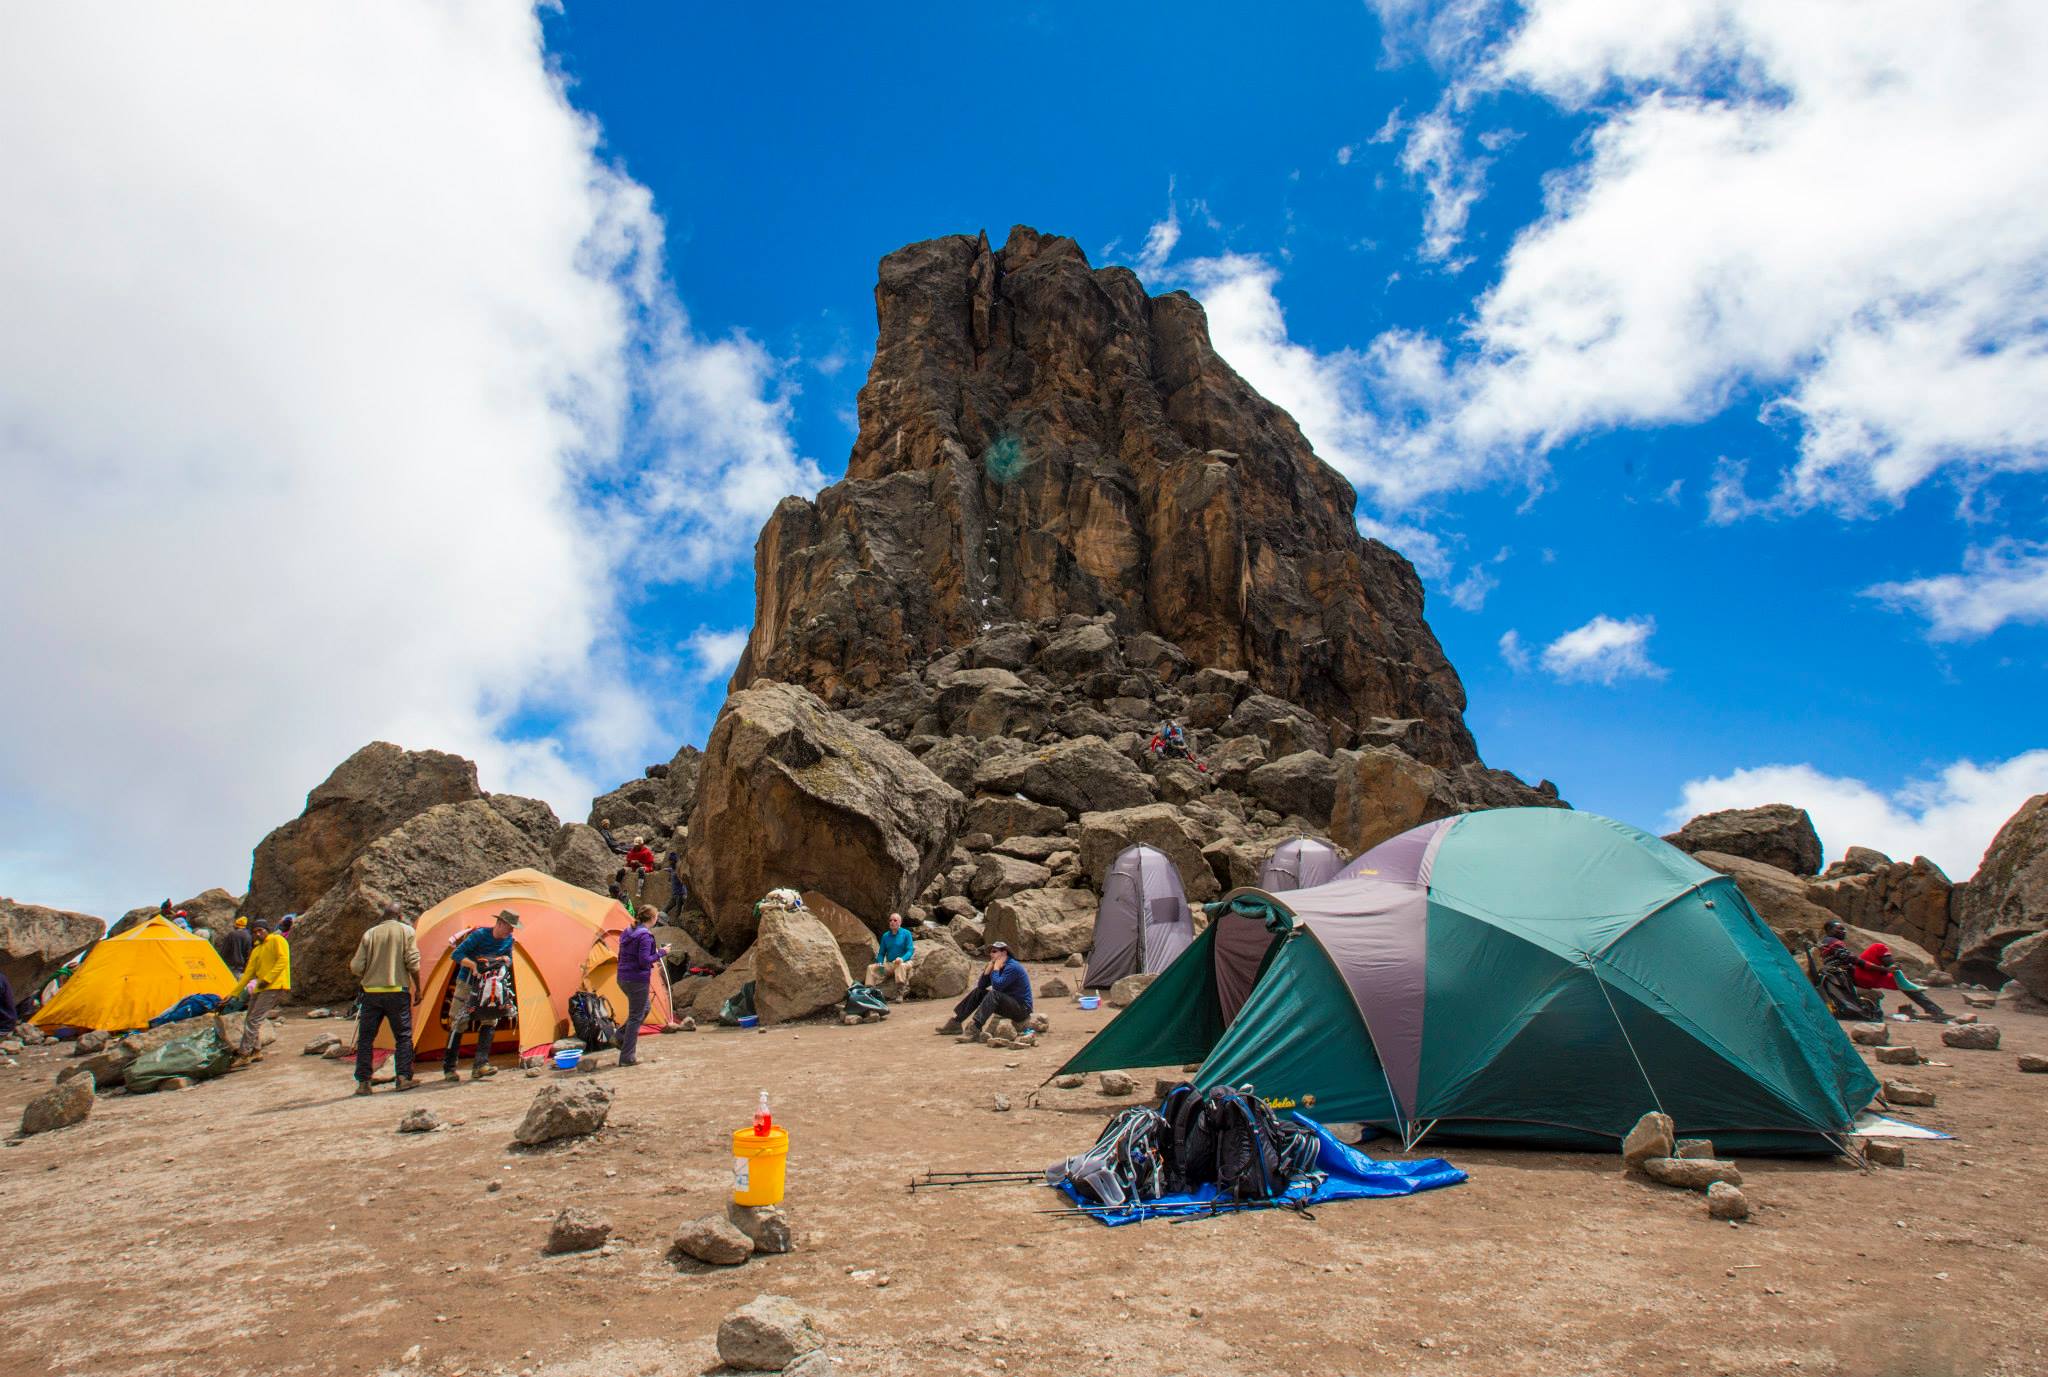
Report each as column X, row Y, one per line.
column 949, row 1027
column 482, row 1070
column 406, row 1082
column 451, row 1074
column 362, row 1087
column 970, row 1033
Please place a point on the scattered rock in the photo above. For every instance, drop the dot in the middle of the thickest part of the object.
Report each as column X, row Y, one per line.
column 767, row 1334
column 175, row 1083
column 713, row 1239
column 1691, row 1173
column 1001, row 1030
column 1883, row 1153
column 1693, row 1149
column 1116, row 1083
column 1870, row 1034
column 2027, row 962
column 1974, row 1037
column 1043, row 924
column 422, row 1121
column 1980, row 999
column 321, row 1044
column 1054, row 988
column 1897, row 1056
column 2029, row 1061
column 939, row 970
column 1129, row 988
column 766, row 1226
column 58, row 1107
column 1901, row 1093
column 1077, row 961
column 1651, row 1138
column 1002, row 1104
column 90, row 1041
column 564, row 1111
column 1726, row 1201
column 576, row 1232
column 1070, row 1081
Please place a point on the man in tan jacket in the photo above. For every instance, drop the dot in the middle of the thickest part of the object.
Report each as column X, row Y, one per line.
column 387, row 961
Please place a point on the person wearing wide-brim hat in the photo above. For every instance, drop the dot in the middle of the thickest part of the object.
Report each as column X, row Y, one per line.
column 483, row 956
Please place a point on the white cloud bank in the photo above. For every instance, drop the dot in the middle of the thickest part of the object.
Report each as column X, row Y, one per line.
column 323, row 325
column 1950, row 818
column 2006, row 581
column 1606, row 650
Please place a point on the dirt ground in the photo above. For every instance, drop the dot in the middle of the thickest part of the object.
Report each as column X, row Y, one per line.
column 270, row 1223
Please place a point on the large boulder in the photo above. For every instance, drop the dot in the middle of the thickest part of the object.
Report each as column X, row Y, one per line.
column 798, row 968
column 1777, row 834
column 579, row 856
column 856, row 940
column 1908, row 898
column 35, row 941
column 1078, row 776
column 1043, row 924
column 211, row 912
column 430, row 856
column 2027, row 962
column 1381, row 793
column 939, row 970
column 2007, row 898
column 1284, row 728
column 373, row 791
column 1301, row 785
column 1003, row 816
column 1783, row 901
column 998, row 877
column 1105, row 836
column 655, row 806
column 793, row 794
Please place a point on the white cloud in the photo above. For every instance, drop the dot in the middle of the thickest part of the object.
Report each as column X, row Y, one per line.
column 1423, row 549
column 1841, row 203
column 2006, row 581
column 1513, row 651
column 1950, row 818
column 1604, row 651
column 323, row 324
column 1344, row 156
column 1452, row 181
column 713, row 653
column 1161, row 239
column 1468, row 594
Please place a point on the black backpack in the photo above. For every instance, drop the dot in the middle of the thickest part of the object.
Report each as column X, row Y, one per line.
column 1188, row 1145
column 1257, row 1154
column 591, row 1016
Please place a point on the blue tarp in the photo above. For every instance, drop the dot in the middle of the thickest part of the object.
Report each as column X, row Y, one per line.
column 1347, row 1174
column 191, row 1006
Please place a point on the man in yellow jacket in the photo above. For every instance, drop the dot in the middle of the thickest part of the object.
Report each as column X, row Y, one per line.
column 268, row 979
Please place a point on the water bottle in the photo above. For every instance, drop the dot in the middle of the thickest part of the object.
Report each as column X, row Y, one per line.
column 763, row 1120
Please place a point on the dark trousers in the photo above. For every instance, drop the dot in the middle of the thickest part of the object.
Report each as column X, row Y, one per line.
column 395, row 1008
column 636, row 1014
column 980, row 1008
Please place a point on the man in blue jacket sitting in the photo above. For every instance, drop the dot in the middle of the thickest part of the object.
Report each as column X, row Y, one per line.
column 1004, row 991
column 893, row 955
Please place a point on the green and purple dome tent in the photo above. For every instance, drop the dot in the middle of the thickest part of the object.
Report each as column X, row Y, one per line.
column 1528, row 974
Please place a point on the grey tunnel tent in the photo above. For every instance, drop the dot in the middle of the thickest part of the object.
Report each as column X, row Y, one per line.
column 1143, row 923
column 1527, row 974
column 1300, row 863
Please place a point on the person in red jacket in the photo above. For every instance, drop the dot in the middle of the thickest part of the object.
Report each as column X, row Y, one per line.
column 641, row 857
column 1877, row 970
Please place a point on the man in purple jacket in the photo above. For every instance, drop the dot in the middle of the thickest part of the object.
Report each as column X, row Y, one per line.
column 637, row 955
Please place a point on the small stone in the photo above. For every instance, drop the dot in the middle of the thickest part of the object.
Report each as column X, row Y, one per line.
column 1899, row 1092
column 1880, row 1153
column 1693, row 1149
column 1070, row 1081
column 91, row 1041
column 60, row 1106
column 1077, row 961
column 688, row 1025
column 175, row 1083
column 1001, row 1030
column 2031, row 1062
column 419, row 1121
column 1870, row 1034
column 1980, row 1037
column 1116, row 1083
column 1650, row 1138
column 1725, row 1201
column 849, row 1020
column 1055, row 988
column 766, row 1226
column 1897, row 1056
column 321, row 1013
column 1980, row 999
column 321, row 1045
column 1002, row 1104
column 564, row 1111
column 576, row 1232
column 1962, row 1019
column 411, row 1356
column 1691, row 1173
column 812, row 1364
column 713, row 1240
column 767, row 1334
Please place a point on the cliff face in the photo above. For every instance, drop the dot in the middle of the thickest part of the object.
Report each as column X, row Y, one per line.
column 1041, row 439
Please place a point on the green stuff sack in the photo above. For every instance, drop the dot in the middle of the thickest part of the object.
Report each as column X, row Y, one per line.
column 738, row 1007
column 197, row 1056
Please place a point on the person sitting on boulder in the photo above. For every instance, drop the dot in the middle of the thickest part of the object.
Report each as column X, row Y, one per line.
column 182, row 919
column 1840, row 970
column 481, row 954
column 893, row 953
column 268, row 979
column 235, row 946
column 1169, row 742
column 1004, row 991
column 641, row 857
column 1878, row 969
column 612, row 844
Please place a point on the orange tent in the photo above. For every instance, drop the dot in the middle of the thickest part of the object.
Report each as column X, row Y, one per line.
column 567, row 940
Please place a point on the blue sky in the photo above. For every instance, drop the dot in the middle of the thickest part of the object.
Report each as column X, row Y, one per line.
column 1695, row 356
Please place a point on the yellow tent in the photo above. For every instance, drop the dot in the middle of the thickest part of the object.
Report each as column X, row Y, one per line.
column 127, row 980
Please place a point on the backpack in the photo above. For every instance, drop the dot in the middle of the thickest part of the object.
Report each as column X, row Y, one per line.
column 740, row 1006
column 861, row 1001
column 590, row 1015
column 1189, row 1148
column 1125, row 1167
column 495, row 998
column 1257, row 1154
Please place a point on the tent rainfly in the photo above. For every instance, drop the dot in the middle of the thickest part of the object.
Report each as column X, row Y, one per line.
column 1143, row 923
column 1527, row 974
column 1302, row 863
column 127, row 980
